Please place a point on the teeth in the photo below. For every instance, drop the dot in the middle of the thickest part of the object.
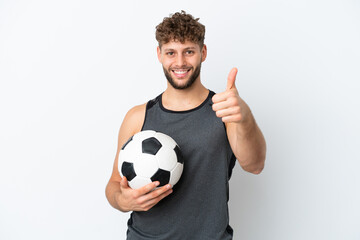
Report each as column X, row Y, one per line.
column 180, row 72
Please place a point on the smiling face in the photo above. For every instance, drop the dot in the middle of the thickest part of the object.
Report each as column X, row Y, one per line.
column 181, row 62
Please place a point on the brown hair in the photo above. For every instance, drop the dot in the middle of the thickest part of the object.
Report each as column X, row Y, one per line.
column 180, row 26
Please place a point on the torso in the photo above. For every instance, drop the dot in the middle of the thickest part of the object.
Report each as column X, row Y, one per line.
column 197, row 209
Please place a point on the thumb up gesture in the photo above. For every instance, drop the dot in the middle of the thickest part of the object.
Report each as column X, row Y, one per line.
column 228, row 105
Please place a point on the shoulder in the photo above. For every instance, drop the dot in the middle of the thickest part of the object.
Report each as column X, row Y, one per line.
column 136, row 110
column 134, row 118
column 132, row 123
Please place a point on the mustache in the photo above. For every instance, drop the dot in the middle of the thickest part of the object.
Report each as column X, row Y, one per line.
column 181, row 68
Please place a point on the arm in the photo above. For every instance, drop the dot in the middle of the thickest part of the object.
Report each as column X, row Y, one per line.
column 118, row 193
column 245, row 137
column 248, row 144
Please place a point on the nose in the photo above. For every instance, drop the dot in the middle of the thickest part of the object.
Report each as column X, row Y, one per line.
column 180, row 60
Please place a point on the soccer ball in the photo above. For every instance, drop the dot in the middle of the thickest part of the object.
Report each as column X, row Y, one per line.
column 150, row 156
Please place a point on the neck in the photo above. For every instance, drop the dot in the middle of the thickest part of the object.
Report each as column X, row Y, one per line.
column 184, row 99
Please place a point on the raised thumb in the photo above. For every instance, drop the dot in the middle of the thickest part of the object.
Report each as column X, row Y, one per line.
column 231, row 79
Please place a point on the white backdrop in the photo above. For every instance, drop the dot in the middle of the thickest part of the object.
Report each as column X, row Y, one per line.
column 70, row 70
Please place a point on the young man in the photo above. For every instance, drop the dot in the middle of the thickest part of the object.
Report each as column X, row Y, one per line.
column 212, row 130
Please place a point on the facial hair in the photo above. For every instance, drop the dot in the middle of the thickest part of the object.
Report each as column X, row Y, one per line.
column 189, row 82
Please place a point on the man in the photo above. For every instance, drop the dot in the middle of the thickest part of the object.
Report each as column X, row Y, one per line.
column 212, row 130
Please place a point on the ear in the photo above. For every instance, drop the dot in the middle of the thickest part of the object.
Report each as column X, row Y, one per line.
column 203, row 53
column 158, row 50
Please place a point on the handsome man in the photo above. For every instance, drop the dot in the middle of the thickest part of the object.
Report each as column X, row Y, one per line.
column 212, row 130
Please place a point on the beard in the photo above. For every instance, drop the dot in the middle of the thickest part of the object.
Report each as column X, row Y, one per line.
column 188, row 83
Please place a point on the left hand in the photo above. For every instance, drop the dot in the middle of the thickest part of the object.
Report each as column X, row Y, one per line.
column 228, row 105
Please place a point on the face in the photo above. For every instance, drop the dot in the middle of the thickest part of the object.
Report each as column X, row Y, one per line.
column 181, row 62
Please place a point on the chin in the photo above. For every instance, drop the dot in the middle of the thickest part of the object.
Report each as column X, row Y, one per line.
column 182, row 83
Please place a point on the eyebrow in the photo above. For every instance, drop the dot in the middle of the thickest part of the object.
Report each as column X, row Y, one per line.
column 185, row 49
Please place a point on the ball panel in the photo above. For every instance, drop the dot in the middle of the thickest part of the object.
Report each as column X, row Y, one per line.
column 176, row 173
column 165, row 140
column 166, row 158
column 132, row 149
column 151, row 146
column 144, row 135
column 162, row 176
column 179, row 155
column 127, row 170
column 139, row 182
column 145, row 165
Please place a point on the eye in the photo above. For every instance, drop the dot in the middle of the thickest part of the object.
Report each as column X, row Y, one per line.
column 170, row 53
column 189, row 52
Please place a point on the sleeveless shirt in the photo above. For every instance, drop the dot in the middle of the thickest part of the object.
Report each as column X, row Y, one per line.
column 198, row 206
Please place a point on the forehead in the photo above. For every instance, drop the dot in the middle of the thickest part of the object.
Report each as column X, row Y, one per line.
column 177, row 45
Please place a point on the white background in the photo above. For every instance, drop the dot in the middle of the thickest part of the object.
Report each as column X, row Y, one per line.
column 70, row 70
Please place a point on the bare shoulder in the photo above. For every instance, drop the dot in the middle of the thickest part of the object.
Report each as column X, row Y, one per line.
column 133, row 121
column 131, row 124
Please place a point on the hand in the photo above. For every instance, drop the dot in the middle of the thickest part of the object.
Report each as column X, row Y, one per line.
column 141, row 199
column 228, row 105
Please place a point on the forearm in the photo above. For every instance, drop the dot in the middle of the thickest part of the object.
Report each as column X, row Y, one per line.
column 112, row 192
column 248, row 144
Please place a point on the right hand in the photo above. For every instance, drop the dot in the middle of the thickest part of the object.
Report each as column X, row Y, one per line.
column 141, row 199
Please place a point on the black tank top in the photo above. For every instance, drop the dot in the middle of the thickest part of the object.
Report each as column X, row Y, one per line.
column 198, row 207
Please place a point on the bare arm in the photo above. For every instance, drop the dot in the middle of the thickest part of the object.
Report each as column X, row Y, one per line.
column 248, row 144
column 118, row 193
column 245, row 137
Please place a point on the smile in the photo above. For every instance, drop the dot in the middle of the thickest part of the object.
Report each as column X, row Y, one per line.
column 181, row 72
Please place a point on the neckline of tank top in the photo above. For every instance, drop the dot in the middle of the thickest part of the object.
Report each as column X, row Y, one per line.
column 211, row 93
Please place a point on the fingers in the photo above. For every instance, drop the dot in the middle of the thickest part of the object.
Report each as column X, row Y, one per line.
column 228, row 106
column 230, row 88
column 232, row 118
column 151, row 199
column 219, row 97
column 151, row 203
column 228, row 112
column 155, row 193
column 231, row 79
column 124, row 183
column 147, row 188
column 144, row 198
column 141, row 191
column 227, row 102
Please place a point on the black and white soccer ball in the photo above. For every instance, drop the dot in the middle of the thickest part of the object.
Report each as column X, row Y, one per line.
column 150, row 156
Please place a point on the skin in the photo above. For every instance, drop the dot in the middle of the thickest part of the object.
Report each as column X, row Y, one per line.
column 180, row 61
column 244, row 135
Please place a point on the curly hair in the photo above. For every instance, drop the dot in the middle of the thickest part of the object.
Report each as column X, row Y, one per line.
column 180, row 26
